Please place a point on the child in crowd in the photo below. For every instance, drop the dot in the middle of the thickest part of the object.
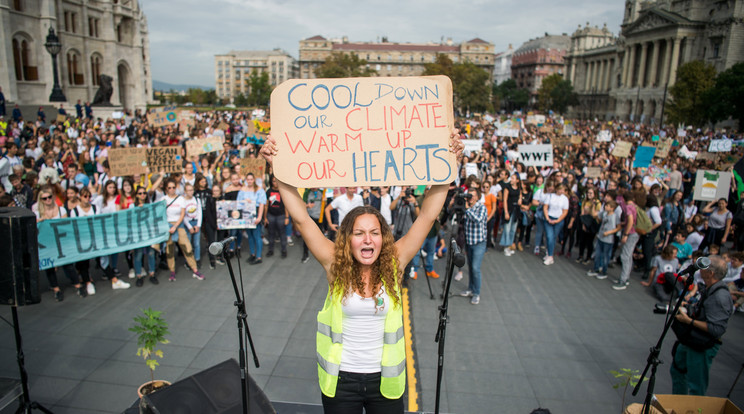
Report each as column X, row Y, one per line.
column 605, row 239
column 663, row 275
column 714, row 249
column 684, row 250
column 735, row 266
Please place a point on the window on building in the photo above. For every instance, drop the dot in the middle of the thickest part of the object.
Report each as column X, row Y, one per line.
column 25, row 70
column 95, row 69
column 74, row 69
column 67, row 21
column 73, row 22
column 389, row 68
column 92, row 27
column 716, row 49
column 18, row 5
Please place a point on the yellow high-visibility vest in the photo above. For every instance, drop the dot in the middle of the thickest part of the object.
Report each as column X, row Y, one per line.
column 329, row 344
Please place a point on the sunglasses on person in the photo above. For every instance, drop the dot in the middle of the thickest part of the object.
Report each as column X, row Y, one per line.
column 171, row 187
column 46, row 198
column 143, row 193
column 84, row 195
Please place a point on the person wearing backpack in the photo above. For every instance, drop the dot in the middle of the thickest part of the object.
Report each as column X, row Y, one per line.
column 629, row 239
column 648, row 241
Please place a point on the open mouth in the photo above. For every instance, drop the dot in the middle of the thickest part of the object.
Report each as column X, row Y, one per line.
column 367, row 252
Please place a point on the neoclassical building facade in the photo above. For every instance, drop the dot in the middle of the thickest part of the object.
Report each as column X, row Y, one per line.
column 98, row 37
column 627, row 76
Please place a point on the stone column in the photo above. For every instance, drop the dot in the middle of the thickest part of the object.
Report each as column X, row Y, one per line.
column 626, row 58
column 587, row 75
column 606, row 74
column 673, row 63
column 642, row 64
column 666, row 63
column 651, row 81
column 631, row 67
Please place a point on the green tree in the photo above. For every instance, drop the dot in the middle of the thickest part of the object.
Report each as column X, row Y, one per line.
column 469, row 83
column 343, row 65
column 556, row 93
column 259, row 89
column 510, row 96
column 726, row 98
column 240, row 100
column 688, row 104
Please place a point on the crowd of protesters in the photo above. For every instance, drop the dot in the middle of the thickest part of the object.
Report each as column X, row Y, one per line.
column 627, row 218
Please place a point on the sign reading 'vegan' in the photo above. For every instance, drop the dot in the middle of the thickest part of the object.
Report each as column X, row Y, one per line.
column 363, row 131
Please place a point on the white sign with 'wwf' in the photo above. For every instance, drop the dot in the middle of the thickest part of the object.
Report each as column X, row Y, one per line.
column 536, row 155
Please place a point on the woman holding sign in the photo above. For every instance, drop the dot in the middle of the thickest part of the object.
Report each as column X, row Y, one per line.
column 360, row 345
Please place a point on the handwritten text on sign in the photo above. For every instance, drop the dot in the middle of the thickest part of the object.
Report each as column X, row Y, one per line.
column 536, row 155
column 363, row 131
column 70, row 240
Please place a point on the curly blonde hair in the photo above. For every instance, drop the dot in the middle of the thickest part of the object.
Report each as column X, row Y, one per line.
column 345, row 267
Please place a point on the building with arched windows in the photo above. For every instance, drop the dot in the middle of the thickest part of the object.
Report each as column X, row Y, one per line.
column 108, row 37
column 628, row 76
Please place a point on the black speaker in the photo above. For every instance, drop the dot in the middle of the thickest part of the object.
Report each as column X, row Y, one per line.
column 19, row 257
column 213, row 391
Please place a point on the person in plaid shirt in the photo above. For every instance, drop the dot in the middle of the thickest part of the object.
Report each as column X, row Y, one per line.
column 476, row 219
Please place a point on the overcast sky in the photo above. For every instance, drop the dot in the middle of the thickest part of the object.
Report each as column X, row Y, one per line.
column 186, row 34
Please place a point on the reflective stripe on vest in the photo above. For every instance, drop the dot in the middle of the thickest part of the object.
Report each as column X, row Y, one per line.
column 336, row 337
column 329, row 367
column 392, row 338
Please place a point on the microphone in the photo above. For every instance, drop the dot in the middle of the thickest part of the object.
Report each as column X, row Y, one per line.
column 217, row 247
column 701, row 263
column 458, row 257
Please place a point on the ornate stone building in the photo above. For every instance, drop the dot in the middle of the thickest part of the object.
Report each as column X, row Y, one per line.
column 232, row 70
column 502, row 66
column 537, row 59
column 98, row 37
column 626, row 77
column 394, row 59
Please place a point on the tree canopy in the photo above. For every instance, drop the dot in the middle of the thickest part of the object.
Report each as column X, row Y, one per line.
column 469, row 83
column 509, row 96
column 259, row 89
column 726, row 98
column 342, row 65
column 687, row 104
column 556, row 94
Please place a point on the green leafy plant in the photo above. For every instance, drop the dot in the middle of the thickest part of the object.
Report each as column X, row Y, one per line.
column 151, row 329
column 626, row 378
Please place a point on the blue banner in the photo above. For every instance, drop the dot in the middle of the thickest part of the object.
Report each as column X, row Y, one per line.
column 643, row 157
column 70, row 240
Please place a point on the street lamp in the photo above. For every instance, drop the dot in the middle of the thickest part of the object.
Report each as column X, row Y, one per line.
column 53, row 46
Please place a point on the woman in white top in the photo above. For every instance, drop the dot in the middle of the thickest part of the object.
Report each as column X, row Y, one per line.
column 555, row 209
column 47, row 209
column 193, row 220
column 106, row 203
column 175, row 213
column 84, row 209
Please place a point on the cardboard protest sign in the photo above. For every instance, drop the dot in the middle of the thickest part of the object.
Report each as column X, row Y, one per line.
column 159, row 117
column 70, row 240
column 536, row 155
column 187, row 119
column 706, row 156
column 681, row 132
column 593, row 172
column 203, row 146
column 165, row 159
column 363, row 131
column 560, row 141
column 256, row 166
column 472, row 146
column 568, row 128
column 236, row 214
column 643, row 156
column 61, row 118
column 662, row 148
column 622, row 149
column 711, row 185
column 604, row 136
column 576, row 140
column 127, row 161
column 508, row 132
column 720, row 145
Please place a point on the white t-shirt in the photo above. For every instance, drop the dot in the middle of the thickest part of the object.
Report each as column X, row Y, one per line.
column 694, row 239
column 80, row 212
column 654, row 214
column 556, row 204
column 173, row 212
column 385, row 201
column 733, row 273
column 343, row 205
column 363, row 333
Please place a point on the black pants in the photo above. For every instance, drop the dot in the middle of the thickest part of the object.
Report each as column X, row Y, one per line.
column 648, row 247
column 586, row 242
column 210, row 233
column 357, row 391
column 68, row 270
column 83, row 267
column 304, row 243
column 276, row 229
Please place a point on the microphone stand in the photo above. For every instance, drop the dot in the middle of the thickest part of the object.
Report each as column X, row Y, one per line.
column 26, row 405
column 241, row 317
column 653, row 360
column 454, row 258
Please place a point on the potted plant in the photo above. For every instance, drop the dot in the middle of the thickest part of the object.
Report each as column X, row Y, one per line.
column 151, row 329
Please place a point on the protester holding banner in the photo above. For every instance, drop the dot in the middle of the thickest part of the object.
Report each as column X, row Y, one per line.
column 125, row 200
column 193, row 220
column 538, row 200
column 107, row 203
column 46, row 209
column 512, row 199
column 175, row 212
column 84, row 209
column 362, row 266
column 251, row 191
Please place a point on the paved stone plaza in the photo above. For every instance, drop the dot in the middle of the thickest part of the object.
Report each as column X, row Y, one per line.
column 541, row 336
